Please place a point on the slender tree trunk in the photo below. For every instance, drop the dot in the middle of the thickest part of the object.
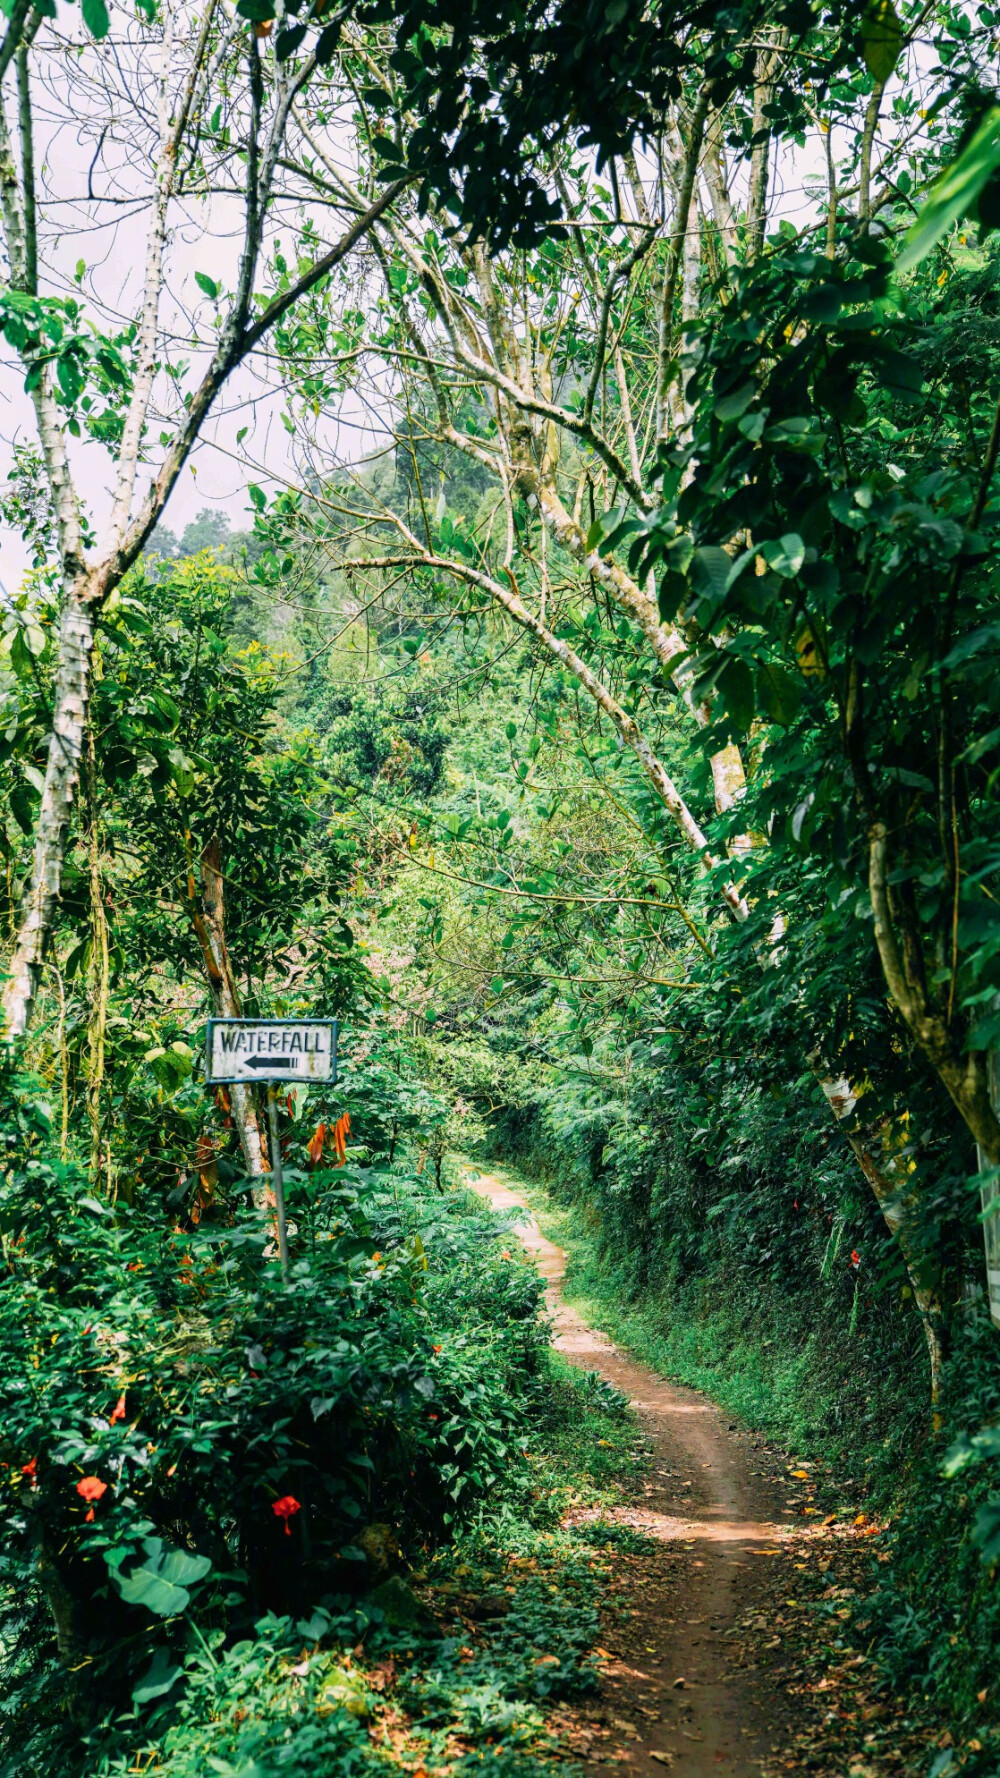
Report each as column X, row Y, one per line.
column 69, row 716
column 876, row 1150
column 760, row 156
column 210, row 924
column 100, row 972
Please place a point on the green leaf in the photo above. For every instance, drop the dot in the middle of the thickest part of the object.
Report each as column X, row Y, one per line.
column 786, row 556
column 953, row 194
column 778, row 694
column 207, row 284
column 181, row 770
column 710, row 571
column 881, row 39
column 21, row 808
column 735, row 684
column 68, row 375
column 95, row 17
column 288, row 42
column 326, row 44
column 162, row 1583
column 735, row 404
column 159, row 1678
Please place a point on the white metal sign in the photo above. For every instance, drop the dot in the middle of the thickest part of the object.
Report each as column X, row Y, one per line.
column 270, row 1049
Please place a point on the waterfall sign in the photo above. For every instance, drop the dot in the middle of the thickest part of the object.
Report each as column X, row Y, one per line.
column 270, row 1049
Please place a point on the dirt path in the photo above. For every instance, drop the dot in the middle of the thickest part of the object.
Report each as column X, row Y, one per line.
column 671, row 1697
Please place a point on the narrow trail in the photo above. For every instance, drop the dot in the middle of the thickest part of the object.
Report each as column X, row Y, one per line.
column 671, row 1698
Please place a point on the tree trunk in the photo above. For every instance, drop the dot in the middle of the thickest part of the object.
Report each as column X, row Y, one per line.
column 873, row 1150
column 210, row 925
column 69, row 716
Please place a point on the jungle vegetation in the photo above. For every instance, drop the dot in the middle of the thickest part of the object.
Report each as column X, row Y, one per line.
column 608, row 740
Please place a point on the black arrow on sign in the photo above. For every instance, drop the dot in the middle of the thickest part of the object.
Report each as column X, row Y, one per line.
column 271, row 1061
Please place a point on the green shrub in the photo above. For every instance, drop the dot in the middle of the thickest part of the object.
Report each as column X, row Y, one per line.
column 187, row 1444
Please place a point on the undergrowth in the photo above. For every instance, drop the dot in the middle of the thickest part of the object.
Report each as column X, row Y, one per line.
column 253, row 1530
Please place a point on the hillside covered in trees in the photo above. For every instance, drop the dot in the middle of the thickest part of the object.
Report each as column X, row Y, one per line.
column 589, row 699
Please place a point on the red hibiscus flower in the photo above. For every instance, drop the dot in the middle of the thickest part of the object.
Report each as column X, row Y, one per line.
column 286, row 1508
column 91, row 1488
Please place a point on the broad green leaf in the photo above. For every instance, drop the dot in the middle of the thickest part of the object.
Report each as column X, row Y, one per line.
column 710, row 571
column 181, row 770
column 881, row 39
column 161, row 1584
column 786, row 556
column 953, row 194
column 288, row 42
column 95, row 17
column 735, row 683
column 207, row 284
column 778, row 694
column 735, row 404
column 159, row 1678
column 326, row 43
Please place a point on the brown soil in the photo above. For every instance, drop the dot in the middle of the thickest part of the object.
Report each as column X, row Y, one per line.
column 699, row 1674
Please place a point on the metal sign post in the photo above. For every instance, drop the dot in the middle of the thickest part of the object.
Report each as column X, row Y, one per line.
column 277, row 1180
column 991, row 1202
column 241, row 1051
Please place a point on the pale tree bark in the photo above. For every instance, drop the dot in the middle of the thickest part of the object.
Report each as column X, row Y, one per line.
column 867, row 145
column 694, row 137
column 714, row 169
column 100, row 974
column 765, row 69
column 86, row 585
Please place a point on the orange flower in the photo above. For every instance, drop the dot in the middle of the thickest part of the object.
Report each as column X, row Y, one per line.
column 30, row 1471
column 315, row 1147
column 91, row 1488
column 855, row 1257
column 341, row 1131
column 286, row 1508
column 119, row 1410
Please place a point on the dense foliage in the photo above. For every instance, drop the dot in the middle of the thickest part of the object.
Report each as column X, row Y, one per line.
column 608, row 741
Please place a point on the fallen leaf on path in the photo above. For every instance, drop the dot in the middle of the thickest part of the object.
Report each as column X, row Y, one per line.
column 663, row 1759
column 679, row 1683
